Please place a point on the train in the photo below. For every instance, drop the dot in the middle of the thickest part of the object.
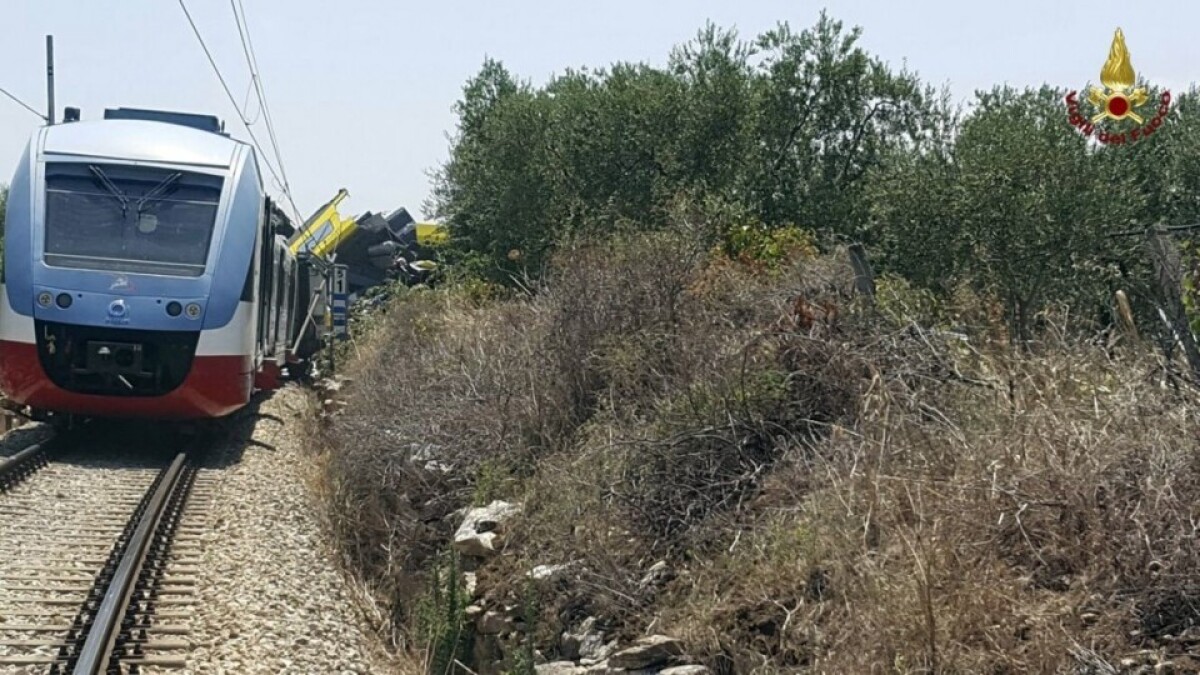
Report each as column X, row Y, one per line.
column 147, row 273
column 373, row 248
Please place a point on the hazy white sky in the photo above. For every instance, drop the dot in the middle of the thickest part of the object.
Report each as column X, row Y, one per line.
column 361, row 90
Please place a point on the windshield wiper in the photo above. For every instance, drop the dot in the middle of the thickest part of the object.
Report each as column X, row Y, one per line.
column 154, row 194
column 112, row 189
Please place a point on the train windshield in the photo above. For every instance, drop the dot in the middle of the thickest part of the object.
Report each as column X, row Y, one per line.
column 129, row 218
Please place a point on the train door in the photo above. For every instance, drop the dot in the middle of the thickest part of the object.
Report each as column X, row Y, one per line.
column 276, row 299
column 265, row 282
column 285, row 304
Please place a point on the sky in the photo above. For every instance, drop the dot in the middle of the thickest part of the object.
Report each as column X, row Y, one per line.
column 362, row 91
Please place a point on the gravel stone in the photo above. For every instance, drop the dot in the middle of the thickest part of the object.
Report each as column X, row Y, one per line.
column 269, row 594
column 65, row 517
column 272, row 596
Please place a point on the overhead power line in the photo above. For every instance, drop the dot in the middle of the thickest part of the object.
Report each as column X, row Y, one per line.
column 23, row 104
column 241, row 115
column 243, row 26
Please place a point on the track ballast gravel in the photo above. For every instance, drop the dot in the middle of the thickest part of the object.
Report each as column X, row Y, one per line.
column 272, row 598
column 269, row 594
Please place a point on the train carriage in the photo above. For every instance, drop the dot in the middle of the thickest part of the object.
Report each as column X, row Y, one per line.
column 146, row 272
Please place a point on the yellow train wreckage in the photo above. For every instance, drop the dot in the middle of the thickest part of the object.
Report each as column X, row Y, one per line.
column 353, row 254
column 372, row 247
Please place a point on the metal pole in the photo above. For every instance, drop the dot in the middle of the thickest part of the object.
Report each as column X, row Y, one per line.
column 50, row 78
column 332, row 328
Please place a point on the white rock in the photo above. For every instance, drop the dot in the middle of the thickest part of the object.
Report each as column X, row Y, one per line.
column 481, row 530
column 649, row 651
column 686, row 670
column 657, row 573
column 558, row 668
column 548, row 572
column 586, row 643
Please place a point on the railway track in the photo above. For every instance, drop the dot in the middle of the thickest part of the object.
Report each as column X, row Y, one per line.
column 99, row 564
column 18, row 467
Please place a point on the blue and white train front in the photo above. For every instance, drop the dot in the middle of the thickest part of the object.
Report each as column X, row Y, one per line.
column 129, row 271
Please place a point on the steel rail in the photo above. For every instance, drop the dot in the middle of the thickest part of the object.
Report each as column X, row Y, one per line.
column 12, row 467
column 97, row 649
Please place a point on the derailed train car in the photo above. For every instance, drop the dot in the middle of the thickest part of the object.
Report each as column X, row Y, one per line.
column 372, row 247
column 146, row 272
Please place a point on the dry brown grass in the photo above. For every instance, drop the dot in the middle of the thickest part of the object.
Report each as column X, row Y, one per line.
column 832, row 490
column 970, row 532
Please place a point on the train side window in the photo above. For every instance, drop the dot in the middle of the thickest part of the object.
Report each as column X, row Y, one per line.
column 248, row 285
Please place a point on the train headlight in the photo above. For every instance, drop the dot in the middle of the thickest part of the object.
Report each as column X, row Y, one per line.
column 45, row 298
column 174, row 308
column 192, row 310
column 63, row 300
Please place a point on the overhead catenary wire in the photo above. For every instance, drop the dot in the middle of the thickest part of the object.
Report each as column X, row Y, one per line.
column 23, row 104
column 239, row 17
column 241, row 115
column 246, row 103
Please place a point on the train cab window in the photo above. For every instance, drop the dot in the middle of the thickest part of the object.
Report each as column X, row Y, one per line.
column 129, row 218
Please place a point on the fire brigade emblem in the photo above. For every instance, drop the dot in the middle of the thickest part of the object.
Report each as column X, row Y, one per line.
column 1117, row 100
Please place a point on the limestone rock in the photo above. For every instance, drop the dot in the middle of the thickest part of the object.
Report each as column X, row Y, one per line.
column 592, row 653
column 429, row 457
column 482, row 529
column 550, row 572
column 558, row 668
column 656, row 575
column 654, row 650
column 586, row 642
column 686, row 670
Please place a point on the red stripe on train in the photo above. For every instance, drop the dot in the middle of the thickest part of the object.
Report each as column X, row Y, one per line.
column 215, row 386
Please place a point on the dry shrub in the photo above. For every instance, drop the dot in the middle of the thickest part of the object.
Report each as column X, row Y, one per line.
column 695, row 410
column 427, row 404
column 830, row 487
column 966, row 526
column 453, row 404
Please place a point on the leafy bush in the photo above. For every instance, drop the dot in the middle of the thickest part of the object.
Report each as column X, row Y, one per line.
column 769, row 247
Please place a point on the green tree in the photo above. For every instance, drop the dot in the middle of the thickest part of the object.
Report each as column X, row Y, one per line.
column 1036, row 206
column 710, row 138
column 493, row 189
column 914, row 219
column 825, row 113
column 1166, row 165
column 786, row 126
